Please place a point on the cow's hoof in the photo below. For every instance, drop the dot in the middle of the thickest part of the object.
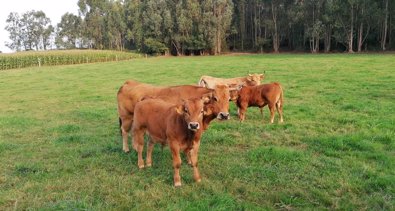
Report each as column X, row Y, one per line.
column 198, row 180
column 141, row 167
column 126, row 150
column 149, row 165
column 177, row 184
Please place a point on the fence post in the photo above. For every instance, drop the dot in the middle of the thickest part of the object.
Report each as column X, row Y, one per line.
column 39, row 62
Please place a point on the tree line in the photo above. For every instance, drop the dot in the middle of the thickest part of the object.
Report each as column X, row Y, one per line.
column 196, row 27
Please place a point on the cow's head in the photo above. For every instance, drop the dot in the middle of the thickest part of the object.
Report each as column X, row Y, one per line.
column 192, row 111
column 234, row 91
column 218, row 103
column 254, row 79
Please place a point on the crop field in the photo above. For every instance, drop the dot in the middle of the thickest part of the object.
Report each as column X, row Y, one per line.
column 61, row 57
column 60, row 146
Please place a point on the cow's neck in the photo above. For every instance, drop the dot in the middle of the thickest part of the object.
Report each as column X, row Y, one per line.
column 189, row 134
column 207, row 120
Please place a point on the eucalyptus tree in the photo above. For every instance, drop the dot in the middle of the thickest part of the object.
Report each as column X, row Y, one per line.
column 32, row 30
column 68, row 31
column 14, row 27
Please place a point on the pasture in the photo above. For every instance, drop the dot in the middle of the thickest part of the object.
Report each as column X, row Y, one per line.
column 60, row 147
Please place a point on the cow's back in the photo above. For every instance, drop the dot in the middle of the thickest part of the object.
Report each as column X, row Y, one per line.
column 176, row 94
column 270, row 92
column 132, row 92
column 248, row 95
column 154, row 115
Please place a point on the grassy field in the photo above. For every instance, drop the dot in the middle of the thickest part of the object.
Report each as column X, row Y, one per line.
column 60, row 147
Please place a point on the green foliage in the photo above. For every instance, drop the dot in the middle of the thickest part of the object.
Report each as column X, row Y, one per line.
column 153, row 46
column 50, row 58
column 69, row 30
column 60, row 147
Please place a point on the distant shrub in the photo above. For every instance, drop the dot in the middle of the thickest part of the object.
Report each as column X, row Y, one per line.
column 153, row 46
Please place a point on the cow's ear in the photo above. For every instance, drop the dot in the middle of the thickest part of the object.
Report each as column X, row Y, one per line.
column 180, row 109
column 207, row 97
column 261, row 76
column 249, row 77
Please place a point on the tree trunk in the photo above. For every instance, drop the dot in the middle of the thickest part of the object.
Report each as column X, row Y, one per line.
column 360, row 34
column 275, row 35
column 351, row 35
column 385, row 27
column 242, row 24
column 327, row 41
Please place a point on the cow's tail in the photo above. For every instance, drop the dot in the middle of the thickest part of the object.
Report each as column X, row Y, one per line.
column 120, row 125
column 202, row 82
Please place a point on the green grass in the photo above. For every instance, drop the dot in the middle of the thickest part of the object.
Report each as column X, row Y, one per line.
column 60, row 147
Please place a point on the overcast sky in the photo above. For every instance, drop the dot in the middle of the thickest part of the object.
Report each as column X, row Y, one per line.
column 54, row 9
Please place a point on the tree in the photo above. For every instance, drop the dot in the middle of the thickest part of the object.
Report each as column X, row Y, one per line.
column 14, row 27
column 313, row 21
column 68, row 31
column 30, row 31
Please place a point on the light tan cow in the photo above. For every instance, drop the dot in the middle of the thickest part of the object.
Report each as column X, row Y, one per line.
column 250, row 80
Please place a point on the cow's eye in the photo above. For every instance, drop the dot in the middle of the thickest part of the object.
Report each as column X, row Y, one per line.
column 202, row 111
column 186, row 110
column 216, row 99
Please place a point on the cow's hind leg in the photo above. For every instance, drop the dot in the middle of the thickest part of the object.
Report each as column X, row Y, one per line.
column 271, row 108
column 175, row 152
column 138, row 145
column 188, row 154
column 126, row 124
column 279, row 107
column 149, row 152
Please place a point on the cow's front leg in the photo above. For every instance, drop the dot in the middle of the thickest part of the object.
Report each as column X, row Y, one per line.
column 175, row 152
column 242, row 110
column 194, row 159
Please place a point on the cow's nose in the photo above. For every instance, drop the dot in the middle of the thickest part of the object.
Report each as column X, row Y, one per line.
column 223, row 115
column 193, row 125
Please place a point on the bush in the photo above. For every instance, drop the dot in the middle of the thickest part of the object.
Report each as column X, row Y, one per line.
column 152, row 46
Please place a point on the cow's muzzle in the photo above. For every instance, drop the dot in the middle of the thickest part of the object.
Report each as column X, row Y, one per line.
column 193, row 126
column 223, row 116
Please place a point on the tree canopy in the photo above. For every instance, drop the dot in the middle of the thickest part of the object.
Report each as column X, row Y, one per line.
column 200, row 27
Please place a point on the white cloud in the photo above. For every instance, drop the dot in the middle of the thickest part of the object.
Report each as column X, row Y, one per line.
column 54, row 9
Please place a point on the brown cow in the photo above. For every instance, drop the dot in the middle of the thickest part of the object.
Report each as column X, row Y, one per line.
column 260, row 96
column 250, row 80
column 179, row 126
column 132, row 92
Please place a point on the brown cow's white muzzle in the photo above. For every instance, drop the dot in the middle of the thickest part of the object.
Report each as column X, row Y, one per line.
column 193, row 126
column 223, row 116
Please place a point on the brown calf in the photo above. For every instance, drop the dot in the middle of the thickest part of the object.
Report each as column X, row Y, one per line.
column 132, row 92
column 179, row 126
column 250, row 80
column 260, row 96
